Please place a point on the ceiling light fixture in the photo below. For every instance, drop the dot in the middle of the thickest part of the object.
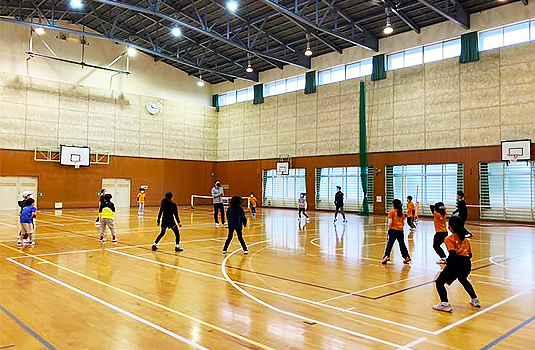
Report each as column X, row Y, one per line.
column 176, row 32
column 76, row 4
column 200, row 83
column 388, row 28
column 131, row 52
column 39, row 31
column 232, row 5
column 249, row 68
column 308, row 51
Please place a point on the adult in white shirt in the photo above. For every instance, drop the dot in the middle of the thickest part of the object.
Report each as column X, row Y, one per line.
column 217, row 197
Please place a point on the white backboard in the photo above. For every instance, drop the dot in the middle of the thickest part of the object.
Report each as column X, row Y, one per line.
column 520, row 148
column 72, row 155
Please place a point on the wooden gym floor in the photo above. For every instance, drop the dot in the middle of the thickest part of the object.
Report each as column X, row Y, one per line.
column 317, row 286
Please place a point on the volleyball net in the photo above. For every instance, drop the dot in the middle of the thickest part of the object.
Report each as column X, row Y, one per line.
column 197, row 199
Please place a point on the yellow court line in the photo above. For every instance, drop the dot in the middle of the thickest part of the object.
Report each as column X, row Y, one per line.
column 191, row 318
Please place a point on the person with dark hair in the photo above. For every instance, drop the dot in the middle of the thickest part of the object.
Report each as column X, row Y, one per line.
column 105, row 215
column 302, row 202
column 27, row 214
column 396, row 222
column 141, row 197
column 100, row 200
column 26, row 195
column 458, row 265
column 168, row 213
column 217, row 198
column 462, row 210
column 252, row 204
column 339, row 204
column 411, row 212
column 236, row 220
column 439, row 220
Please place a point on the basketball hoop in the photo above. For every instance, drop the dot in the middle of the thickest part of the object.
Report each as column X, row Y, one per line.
column 513, row 158
column 76, row 164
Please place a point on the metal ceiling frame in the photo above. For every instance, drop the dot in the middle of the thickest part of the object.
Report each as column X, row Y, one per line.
column 453, row 10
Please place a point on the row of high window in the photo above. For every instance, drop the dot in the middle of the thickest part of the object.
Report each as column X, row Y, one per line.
column 490, row 39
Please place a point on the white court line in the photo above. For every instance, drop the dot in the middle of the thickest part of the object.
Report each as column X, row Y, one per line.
column 291, row 314
column 3, row 223
column 113, row 307
column 492, row 277
column 58, row 253
column 491, row 259
column 276, row 293
column 415, row 342
column 371, row 288
column 492, row 307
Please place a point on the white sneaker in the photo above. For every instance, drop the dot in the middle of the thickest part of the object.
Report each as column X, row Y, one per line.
column 308, row 219
column 442, row 261
column 345, row 221
column 224, row 252
column 245, row 252
column 442, row 306
column 102, row 240
column 218, row 224
column 30, row 243
column 475, row 302
column 225, row 224
column 25, row 241
column 19, row 242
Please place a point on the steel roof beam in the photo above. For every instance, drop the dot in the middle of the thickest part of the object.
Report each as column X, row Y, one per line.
column 311, row 24
column 453, row 10
column 211, row 34
column 408, row 21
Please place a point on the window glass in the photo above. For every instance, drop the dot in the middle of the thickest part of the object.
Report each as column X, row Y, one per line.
column 301, row 82
column 338, row 74
column 349, row 179
column 395, row 61
column 491, row 39
column 250, row 94
column 222, row 99
column 283, row 190
column 515, row 34
column 280, row 87
column 433, row 52
column 366, row 67
column 231, row 97
column 532, row 30
column 353, row 70
column 324, row 77
column 269, row 89
column 413, row 57
column 291, row 84
column 241, row 96
column 452, row 48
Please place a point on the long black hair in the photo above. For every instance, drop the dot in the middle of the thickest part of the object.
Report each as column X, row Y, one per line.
column 398, row 206
column 168, row 197
column 438, row 208
column 235, row 201
column 456, row 224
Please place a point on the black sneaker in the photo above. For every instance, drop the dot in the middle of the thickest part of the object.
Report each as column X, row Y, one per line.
column 154, row 248
column 179, row 249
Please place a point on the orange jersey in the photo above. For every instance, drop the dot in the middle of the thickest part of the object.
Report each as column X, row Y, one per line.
column 410, row 209
column 440, row 222
column 253, row 201
column 462, row 248
column 397, row 221
column 141, row 197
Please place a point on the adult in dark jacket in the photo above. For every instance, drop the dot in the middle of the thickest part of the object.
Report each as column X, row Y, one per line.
column 339, row 204
column 167, row 214
column 462, row 210
column 236, row 220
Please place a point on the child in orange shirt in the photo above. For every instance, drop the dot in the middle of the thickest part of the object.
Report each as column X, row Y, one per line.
column 439, row 219
column 141, row 196
column 458, row 265
column 396, row 221
column 252, row 204
column 411, row 211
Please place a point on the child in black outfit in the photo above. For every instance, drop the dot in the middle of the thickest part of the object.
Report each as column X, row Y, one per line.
column 462, row 210
column 169, row 211
column 236, row 219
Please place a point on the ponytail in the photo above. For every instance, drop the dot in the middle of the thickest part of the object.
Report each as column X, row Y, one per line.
column 398, row 206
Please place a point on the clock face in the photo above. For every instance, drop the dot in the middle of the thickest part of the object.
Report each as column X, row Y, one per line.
column 153, row 108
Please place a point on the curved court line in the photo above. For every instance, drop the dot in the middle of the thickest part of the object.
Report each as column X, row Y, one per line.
column 492, row 260
column 304, row 318
column 191, row 318
column 113, row 307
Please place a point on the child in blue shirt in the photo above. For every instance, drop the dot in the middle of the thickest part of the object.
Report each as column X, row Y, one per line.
column 26, row 222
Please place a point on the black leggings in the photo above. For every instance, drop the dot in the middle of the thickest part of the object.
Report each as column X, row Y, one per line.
column 410, row 221
column 437, row 242
column 221, row 208
column 229, row 239
column 253, row 210
column 459, row 271
column 162, row 233
column 394, row 235
column 341, row 210
column 302, row 210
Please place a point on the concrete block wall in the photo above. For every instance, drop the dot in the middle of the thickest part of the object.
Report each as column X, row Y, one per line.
column 37, row 112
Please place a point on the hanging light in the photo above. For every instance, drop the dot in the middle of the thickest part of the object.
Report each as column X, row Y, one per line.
column 39, row 31
column 249, row 68
column 232, row 5
column 388, row 28
column 308, row 51
column 200, row 83
column 76, row 4
column 131, row 52
column 176, row 32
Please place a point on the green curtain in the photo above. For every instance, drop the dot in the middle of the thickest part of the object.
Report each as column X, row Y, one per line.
column 258, row 94
column 363, row 154
column 378, row 70
column 469, row 48
column 310, row 82
column 215, row 102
